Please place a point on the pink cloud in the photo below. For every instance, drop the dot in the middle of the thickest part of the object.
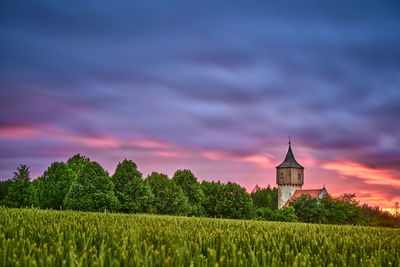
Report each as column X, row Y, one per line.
column 38, row 131
column 370, row 176
column 148, row 143
column 259, row 159
column 171, row 153
column 214, row 155
column 17, row 132
column 98, row 142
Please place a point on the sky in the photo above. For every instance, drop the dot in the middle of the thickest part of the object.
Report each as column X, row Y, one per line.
column 212, row 86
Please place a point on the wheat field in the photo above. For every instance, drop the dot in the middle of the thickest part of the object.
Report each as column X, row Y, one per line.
column 31, row 237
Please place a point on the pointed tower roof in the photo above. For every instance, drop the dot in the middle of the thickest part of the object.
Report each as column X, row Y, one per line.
column 290, row 161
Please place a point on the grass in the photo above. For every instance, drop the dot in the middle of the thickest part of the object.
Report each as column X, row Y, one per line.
column 30, row 237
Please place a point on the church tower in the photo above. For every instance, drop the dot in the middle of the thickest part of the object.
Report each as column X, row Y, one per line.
column 289, row 177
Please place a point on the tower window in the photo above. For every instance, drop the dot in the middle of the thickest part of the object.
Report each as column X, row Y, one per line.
column 299, row 176
column 281, row 175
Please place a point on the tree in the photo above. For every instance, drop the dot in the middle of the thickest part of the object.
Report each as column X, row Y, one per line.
column 131, row 190
column 51, row 188
column 92, row 190
column 396, row 209
column 307, row 209
column 265, row 197
column 4, row 187
column 168, row 196
column 227, row 200
column 342, row 210
column 20, row 190
column 212, row 192
column 77, row 163
column 192, row 190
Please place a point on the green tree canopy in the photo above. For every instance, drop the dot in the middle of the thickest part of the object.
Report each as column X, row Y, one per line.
column 308, row 209
column 284, row 214
column 4, row 187
column 53, row 185
column 226, row 200
column 192, row 190
column 20, row 191
column 265, row 197
column 168, row 196
column 92, row 190
column 77, row 163
column 342, row 210
column 133, row 193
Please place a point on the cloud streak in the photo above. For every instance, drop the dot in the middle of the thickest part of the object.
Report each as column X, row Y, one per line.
column 371, row 176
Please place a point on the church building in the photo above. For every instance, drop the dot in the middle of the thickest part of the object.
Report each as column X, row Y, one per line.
column 290, row 180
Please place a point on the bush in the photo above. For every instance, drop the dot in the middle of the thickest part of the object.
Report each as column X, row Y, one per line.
column 284, row 214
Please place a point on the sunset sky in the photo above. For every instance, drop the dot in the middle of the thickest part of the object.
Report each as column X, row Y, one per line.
column 216, row 87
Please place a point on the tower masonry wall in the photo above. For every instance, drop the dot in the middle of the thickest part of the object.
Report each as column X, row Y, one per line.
column 285, row 193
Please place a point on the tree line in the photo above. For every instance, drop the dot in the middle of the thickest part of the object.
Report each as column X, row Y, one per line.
column 82, row 184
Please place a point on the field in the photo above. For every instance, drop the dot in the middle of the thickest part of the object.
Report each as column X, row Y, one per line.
column 54, row 238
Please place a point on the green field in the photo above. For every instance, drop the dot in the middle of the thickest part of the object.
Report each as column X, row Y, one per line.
column 54, row 238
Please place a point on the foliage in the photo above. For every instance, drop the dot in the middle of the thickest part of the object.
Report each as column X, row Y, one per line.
column 307, row 209
column 168, row 196
column 342, row 210
column 226, row 200
column 263, row 213
column 50, row 189
column 33, row 237
column 20, row 192
column 265, row 197
column 83, row 185
column 376, row 217
column 132, row 192
column 92, row 190
column 285, row 214
column 77, row 163
column 192, row 190
column 4, row 187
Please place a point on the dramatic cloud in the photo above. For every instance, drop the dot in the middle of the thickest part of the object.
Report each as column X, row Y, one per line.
column 372, row 176
column 214, row 87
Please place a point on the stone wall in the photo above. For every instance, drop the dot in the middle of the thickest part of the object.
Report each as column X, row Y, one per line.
column 285, row 193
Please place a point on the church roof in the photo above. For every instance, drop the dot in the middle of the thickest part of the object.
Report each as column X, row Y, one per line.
column 312, row 192
column 315, row 193
column 290, row 161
